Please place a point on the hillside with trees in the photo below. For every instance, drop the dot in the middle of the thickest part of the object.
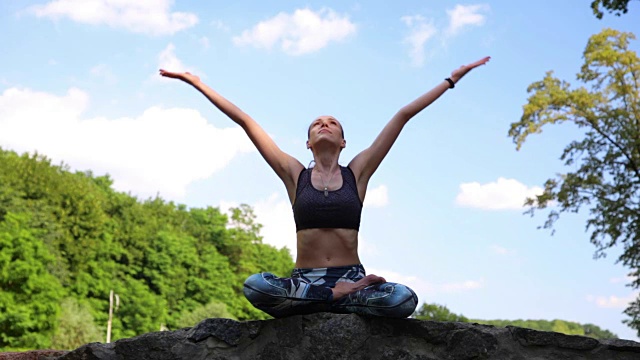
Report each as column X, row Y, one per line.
column 436, row 312
column 67, row 239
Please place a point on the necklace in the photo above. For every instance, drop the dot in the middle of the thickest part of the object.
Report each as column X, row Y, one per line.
column 326, row 185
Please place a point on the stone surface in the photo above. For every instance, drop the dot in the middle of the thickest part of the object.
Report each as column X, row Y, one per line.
column 33, row 355
column 354, row 337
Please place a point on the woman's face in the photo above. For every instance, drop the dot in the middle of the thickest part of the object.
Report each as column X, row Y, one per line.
column 324, row 124
column 325, row 128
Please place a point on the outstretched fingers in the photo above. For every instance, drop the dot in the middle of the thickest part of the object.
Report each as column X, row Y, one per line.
column 169, row 74
column 184, row 76
column 464, row 69
column 482, row 61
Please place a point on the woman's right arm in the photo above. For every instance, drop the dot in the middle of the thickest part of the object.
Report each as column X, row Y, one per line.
column 285, row 166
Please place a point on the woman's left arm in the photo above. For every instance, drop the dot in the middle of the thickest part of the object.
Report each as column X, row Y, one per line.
column 366, row 162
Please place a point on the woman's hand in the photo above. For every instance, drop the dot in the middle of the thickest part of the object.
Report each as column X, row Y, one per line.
column 184, row 76
column 458, row 73
column 343, row 289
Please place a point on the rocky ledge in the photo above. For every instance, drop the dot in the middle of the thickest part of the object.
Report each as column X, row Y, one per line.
column 353, row 337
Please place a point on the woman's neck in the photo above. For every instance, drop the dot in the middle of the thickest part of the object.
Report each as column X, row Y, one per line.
column 326, row 162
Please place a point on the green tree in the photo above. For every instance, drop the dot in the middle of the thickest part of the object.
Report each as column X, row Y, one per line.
column 29, row 295
column 248, row 255
column 561, row 326
column 598, row 333
column 437, row 312
column 617, row 6
column 75, row 326
column 604, row 163
column 213, row 309
column 72, row 231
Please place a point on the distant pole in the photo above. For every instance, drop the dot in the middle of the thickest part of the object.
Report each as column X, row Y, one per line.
column 110, row 316
column 111, row 310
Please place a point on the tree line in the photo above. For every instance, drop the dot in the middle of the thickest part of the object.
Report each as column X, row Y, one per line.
column 67, row 239
column 437, row 312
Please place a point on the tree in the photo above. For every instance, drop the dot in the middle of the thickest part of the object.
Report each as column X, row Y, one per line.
column 604, row 162
column 76, row 326
column 29, row 295
column 617, row 6
column 213, row 309
column 597, row 333
column 69, row 235
column 561, row 326
column 437, row 312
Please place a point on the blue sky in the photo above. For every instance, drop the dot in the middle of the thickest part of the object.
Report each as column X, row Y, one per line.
column 443, row 213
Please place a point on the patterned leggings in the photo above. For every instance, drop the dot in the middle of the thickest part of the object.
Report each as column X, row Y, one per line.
column 309, row 291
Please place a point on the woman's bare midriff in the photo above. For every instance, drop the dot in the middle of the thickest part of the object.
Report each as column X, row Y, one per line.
column 327, row 247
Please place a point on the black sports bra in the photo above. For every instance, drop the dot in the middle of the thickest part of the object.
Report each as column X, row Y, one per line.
column 340, row 209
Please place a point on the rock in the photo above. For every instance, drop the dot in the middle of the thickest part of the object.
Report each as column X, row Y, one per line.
column 354, row 337
column 33, row 355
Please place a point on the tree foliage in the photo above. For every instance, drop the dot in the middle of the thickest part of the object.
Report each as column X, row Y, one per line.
column 75, row 326
column 618, row 7
column 67, row 239
column 436, row 312
column 213, row 309
column 604, row 162
column 560, row 326
column 30, row 296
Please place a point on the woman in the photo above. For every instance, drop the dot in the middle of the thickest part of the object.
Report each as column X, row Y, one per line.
column 327, row 203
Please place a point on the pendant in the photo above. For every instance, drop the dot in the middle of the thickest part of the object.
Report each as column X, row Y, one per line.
column 326, row 193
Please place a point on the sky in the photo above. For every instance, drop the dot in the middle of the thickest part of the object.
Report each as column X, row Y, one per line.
column 443, row 213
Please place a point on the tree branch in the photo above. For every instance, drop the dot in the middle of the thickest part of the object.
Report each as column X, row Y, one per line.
column 632, row 163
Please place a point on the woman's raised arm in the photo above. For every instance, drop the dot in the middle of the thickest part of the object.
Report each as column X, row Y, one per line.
column 285, row 166
column 366, row 162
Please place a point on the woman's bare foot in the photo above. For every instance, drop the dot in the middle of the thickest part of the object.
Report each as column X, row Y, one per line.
column 343, row 289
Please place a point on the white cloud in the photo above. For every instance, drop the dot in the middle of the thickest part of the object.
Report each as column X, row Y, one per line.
column 225, row 206
column 465, row 15
column 276, row 216
column 104, row 72
column 421, row 31
column 504, row 194
column 153, row 17
column 612, row 302
column 158, row 151
column 220, row 25
column 168, row 60
column 302, row 32
column 418, row 285
column 423, row 288
column 377, row 197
